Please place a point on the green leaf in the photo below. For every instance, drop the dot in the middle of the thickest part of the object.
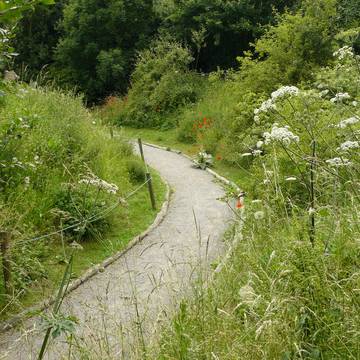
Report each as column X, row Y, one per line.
column 324, row 212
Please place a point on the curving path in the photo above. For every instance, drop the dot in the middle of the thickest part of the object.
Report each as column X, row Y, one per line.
column 123, row 304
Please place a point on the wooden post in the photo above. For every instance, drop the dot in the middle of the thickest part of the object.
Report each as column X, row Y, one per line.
column 151, row 190
column 4, row 239
column 141, row 150
column 148, row 176
column 111, row 132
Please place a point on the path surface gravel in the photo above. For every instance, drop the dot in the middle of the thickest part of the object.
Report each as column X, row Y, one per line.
column 123, row 304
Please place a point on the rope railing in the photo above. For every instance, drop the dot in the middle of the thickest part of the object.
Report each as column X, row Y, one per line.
column 5, row 238
column 108, row 210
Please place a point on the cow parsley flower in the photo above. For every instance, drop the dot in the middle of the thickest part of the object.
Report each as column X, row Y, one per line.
column 282, row 134
column 347, row 145
column 338, row 162
column 340, row 96
column 343, row 52
column 350, row 121
column 267, row 105
column 91, row 179
column 284, row 90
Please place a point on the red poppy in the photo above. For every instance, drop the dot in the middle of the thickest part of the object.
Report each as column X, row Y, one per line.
column 188, row 150
column 239, row 204
column 219, row 157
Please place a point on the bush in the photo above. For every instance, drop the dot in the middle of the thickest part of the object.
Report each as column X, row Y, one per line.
column 136, row 170
column 161, row 83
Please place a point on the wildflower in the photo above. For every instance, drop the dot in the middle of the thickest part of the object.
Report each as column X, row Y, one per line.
column 350, row 121
column 256, row 111
column 259, row 215
column 239, row 204
column 256, row 118
column 340, row 96
column 338, row 162
column 324, row 92
column 91, row 179
column 283, row 91
column 348, row 145
column 246, row 154
column 290, row 179
column 282, row 134
column 343, row 52
column 259, row 144
column 219, row 157
column 354, row 103
column 267, row 105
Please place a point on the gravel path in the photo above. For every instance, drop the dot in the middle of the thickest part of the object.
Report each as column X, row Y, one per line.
column 123, row 304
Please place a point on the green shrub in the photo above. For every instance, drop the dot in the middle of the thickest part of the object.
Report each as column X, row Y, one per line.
column 136, row 170
column 161, row 83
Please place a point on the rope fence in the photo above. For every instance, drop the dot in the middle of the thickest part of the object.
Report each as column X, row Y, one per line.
column 4, row 235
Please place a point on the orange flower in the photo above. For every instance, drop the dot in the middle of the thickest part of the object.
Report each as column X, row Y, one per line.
column 239, row 204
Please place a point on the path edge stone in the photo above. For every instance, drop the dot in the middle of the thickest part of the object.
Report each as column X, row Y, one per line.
column 42, row 305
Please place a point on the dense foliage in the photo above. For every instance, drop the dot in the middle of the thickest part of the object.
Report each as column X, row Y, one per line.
column 96, row 53
column 36, row 39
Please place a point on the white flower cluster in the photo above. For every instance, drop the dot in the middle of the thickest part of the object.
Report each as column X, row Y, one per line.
column 284, row 90
column 91, row 179
column 322, row 93
column 340, row 96
column 338, row 162
column 282, row 134
column 344, row 123
column 265, row 106
column 205, row 155
column 347, row 145
column 343, row 52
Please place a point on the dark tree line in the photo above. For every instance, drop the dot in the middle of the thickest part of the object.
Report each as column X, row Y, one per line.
column 92, row 44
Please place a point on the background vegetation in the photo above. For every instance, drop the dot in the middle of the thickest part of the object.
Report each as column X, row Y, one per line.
column 266, row 93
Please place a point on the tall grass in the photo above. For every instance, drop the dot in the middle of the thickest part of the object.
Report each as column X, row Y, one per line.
column 52, row 142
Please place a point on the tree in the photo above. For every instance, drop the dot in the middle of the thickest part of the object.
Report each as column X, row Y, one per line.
column 292, row 50
column 227, row 26
column 37, row 37
column 101, row 37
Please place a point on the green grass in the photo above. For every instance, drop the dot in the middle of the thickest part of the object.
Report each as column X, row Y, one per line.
column 66, row 141
column 121, row 231
column 168, row 139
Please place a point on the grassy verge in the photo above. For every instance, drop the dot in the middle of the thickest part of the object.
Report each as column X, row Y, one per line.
column 59, row 167
column 169, row 139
